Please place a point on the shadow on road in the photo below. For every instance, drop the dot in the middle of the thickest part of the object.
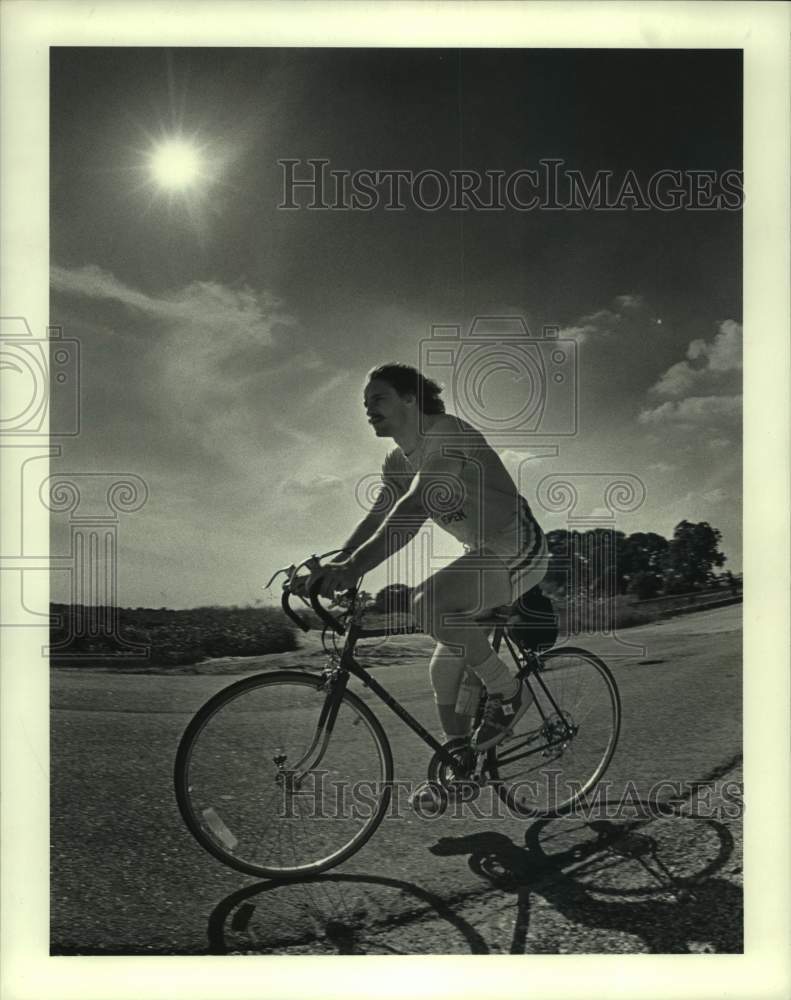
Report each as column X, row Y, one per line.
column 652, row 879
column 335, row 914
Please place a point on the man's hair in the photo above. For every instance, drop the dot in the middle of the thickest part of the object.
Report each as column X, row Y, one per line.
column 408, row 381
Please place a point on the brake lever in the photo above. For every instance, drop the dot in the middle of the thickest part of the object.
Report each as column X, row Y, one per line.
column 288, row 570
column 313, row 562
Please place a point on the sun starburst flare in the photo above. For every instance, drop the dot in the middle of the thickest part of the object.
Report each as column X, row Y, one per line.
column 176, row 164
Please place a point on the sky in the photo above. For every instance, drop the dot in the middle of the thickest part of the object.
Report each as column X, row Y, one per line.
column 224, row 340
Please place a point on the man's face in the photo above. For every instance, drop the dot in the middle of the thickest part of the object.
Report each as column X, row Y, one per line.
column 387, row 412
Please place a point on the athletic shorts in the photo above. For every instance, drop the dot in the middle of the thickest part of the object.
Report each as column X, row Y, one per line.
column 523, row 550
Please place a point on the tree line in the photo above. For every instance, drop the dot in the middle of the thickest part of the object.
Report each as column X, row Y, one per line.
column 605, row 563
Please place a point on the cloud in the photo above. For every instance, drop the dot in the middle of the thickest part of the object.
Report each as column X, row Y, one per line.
column 677, row 381
column 717, row 495
column 604, row 322
column 514, row 456
column 300, row 437
column 314, row 486
column 661, row 467
column 578, row 333
column 201, row 305
column 327, row 387
column 712, row 359
column 629, row 301
column 704, row 387
column 724, row 353
column 695, row 409
column 221, row 371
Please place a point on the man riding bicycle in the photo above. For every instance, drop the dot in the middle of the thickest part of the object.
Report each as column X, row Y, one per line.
column 442, row 468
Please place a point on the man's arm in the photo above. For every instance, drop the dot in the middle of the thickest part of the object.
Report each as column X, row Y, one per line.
column 408, row 515
column 367, row 526
column 393, row 486
column 393, row 532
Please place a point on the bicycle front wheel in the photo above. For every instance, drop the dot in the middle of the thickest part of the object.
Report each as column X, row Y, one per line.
column 565, row 741
column 255, row 790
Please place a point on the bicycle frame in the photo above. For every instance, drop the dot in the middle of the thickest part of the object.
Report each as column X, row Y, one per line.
column 533, row 667
column 338, row 680
column 349, row 666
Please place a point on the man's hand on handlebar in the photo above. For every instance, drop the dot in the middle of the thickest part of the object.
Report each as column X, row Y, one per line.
column 334, row 577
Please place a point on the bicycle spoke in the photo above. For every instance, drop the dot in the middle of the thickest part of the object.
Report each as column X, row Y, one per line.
column 237, row 787
column 565, row 740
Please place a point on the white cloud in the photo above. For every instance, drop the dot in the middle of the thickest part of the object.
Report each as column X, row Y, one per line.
column 300, row 437
column 718, row 495
column 677, row 381
column 604, row 322
column 724, row 353
column 578, row 333
column 224, row 369
column 661, row 467
column 313, row 486
column 712, row 358
column 514, row 456
column 332, row 383
column 695, row 409
column 202, row 305
column 629, row 301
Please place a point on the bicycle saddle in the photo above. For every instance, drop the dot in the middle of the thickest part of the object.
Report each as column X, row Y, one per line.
column 530, row 620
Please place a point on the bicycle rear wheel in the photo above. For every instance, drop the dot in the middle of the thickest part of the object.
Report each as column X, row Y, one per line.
column 235, row 785
column 565, row 741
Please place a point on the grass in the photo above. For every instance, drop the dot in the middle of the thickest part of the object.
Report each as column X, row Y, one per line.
column 162, row 638
column 235, row 640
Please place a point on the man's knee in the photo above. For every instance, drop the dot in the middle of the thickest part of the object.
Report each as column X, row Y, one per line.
column 432, row 614
column 445, row 670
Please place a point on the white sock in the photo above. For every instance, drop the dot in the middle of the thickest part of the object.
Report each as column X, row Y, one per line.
column 496, row 676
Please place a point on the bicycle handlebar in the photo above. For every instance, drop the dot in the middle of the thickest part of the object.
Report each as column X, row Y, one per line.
column 299, row 622
column 291, row 571
column 330, row 620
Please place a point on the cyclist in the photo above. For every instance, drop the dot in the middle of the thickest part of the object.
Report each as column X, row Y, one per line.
column 443, row 468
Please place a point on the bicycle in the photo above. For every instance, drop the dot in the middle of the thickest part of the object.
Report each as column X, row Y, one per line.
column 253, row 765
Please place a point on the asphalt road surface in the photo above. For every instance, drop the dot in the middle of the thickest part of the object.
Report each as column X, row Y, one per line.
column 128, row 878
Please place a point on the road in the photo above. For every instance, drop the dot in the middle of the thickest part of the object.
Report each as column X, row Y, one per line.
column 127, row 878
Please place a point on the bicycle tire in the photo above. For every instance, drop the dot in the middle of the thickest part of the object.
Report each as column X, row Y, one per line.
column 569, row 683
column 222, row 758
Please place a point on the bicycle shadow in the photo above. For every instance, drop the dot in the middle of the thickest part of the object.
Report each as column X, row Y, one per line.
column 690, row 908
column 332, row 914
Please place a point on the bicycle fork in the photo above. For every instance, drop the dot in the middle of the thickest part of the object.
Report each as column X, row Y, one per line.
column 313, row 756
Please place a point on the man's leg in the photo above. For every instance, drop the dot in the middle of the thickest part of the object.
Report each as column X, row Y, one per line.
column 445, row 670
column 446, row 606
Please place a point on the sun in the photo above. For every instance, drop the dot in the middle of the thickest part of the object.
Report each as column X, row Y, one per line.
column 176, row 164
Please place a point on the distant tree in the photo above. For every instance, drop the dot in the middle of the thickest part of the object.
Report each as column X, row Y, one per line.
column 567, row 570
column 361, row 599
column 642, row 556
column 645, row 552
column 692, row 553
column 605, row 550
column 395, row 598
column 645, row 585
column 730, row 580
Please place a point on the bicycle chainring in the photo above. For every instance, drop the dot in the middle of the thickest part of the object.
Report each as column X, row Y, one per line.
column 467, row 773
